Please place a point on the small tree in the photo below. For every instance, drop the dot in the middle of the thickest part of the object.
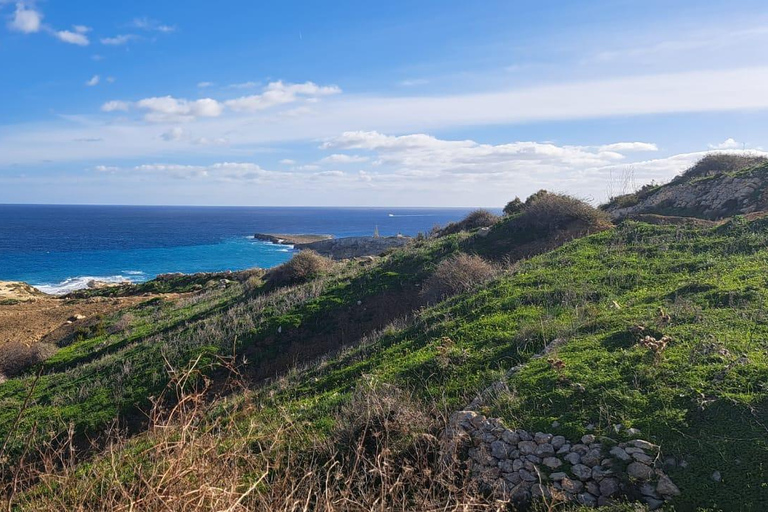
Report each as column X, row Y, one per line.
column 513, row 207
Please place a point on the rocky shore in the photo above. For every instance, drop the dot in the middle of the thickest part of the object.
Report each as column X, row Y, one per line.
column 290, row 239
column 337, row 248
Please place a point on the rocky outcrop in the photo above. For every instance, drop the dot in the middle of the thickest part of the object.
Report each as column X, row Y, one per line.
column 520, row 466
column 710, row 197
column 354, row 246
column 290, row 239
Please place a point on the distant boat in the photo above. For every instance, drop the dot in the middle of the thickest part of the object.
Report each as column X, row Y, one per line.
column 391, row 214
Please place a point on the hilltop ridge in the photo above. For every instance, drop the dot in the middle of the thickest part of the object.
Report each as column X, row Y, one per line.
column 719, row 186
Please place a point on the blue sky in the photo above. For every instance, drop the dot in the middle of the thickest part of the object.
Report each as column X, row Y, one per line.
column 428, row 103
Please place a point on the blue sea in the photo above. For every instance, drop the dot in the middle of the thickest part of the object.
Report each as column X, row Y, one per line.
column 61, row 248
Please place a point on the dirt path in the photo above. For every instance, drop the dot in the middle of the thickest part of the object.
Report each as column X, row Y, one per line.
column 27, row 315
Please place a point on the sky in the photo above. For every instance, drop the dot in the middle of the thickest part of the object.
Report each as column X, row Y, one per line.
column 349, row 103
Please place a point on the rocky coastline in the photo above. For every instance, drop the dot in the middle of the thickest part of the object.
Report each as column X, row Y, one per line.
column 338, row 248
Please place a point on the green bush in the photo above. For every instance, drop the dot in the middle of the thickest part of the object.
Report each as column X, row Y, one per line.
column 475, row 220
column 513, row 207
column 546, row 211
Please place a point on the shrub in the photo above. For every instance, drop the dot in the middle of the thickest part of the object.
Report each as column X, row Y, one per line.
column 720, row 163
column 513, row 207
column 15, row 356
column 457, row 274
column 302, row 267
column 545, row 211
column 476, row 219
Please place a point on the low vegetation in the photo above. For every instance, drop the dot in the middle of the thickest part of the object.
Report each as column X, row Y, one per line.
column 331, row 391
column 475, row 220
column 457, row 274
column 303, row 267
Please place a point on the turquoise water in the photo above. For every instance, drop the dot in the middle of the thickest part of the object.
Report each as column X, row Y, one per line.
column 61, row 248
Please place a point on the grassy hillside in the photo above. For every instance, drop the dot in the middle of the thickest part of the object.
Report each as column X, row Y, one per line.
column 357, row 429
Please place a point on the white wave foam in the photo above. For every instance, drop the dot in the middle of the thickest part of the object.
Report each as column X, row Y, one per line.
column 78, row 283
column 133, row 272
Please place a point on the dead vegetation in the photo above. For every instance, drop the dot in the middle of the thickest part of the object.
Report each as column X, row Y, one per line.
column 16, row 356
column 303, row 267
column 458, row 274
column 383, row 454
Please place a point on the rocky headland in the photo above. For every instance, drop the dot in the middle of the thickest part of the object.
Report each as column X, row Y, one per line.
column 338, row 248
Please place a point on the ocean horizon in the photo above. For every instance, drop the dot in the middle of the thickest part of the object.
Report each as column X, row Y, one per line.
column 61, row 248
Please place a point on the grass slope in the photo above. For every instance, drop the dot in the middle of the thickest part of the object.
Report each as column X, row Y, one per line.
column 704, row 399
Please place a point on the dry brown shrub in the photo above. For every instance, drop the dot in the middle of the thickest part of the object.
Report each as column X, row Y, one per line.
column 15, row 356
column 383, row 454
column 303, row 267
column 458, row 274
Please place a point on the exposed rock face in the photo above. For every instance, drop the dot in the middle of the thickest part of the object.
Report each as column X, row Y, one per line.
column 592, row 472
column 712, row 197
column 355, row 246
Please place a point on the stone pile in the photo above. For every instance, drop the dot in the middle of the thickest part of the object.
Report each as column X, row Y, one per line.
column 520, row 466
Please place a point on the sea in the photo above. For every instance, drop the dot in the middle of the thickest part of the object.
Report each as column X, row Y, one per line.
column 59, row 248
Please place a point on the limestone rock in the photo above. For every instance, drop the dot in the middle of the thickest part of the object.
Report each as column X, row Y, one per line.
column 639, row 471
column 620, row 454
column 581, row 472
column 666, row 487
column 573, row 458
column 572, row 486
column 609, row 487
column 527, row 447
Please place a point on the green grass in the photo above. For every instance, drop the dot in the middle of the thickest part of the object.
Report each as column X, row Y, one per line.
column 704, row 399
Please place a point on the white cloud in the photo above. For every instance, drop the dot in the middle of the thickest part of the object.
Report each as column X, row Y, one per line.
column 119, row 39
column 288, row 161
column 280, row 93
column 629, row 147
column 26, row 19
column 344, row 159
column 106, row 168
column 205, row 141
column 329, row 174
column 93, row 81
column 728, row 143
column 419, row 153
column 152, row 25
column 77, row 38
column 413, row 82
column 223, row 171
column 204, row 85
column 174, row 134
column 81, row 29
column 308, row 167
column 116, row 106
column 168, row 109
column 244, row 85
